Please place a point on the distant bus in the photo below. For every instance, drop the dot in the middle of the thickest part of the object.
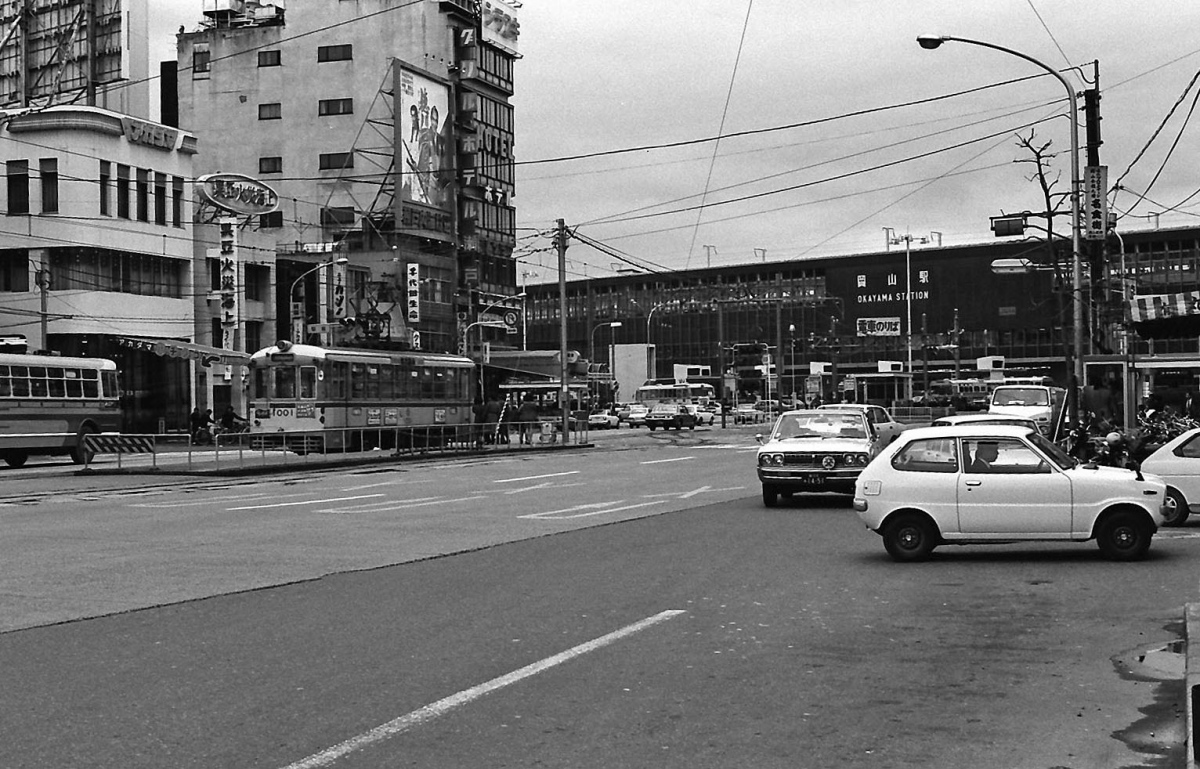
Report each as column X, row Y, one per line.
column 316, row 399
column 48, row 403
column 699, row 393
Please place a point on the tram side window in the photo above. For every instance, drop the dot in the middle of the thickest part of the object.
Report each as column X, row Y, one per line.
column 262, row 377
column 358, row 380
column 308, row 381
column 285, row 383
column 335, row 382
column 387, row 382
column 427, row 382
column 372, row 384
column 91, row 383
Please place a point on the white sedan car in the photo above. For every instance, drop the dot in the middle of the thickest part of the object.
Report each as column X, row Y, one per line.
column 1178, row 462
column 880, row 418
column 979, row 484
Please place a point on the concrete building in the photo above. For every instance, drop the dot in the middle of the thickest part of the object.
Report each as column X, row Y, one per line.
column 98, row 247
column 385, row 129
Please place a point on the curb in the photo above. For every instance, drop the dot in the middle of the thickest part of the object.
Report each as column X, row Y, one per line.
column 1191, row 694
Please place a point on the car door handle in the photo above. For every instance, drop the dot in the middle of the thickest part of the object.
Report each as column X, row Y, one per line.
column 974, row 483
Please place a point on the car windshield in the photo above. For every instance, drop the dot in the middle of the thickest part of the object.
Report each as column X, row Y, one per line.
column 792, row 426
column 1021, row 396
column 1051, row 449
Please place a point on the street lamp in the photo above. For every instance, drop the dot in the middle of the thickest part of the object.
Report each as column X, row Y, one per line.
column 650, row 372
column 299, row 321
column 482, row 324
column 907, row 240
column 930, row 42
column 592, row 342
column 792, row 356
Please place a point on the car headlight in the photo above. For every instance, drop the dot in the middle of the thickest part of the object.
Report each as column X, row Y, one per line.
column 770, row 460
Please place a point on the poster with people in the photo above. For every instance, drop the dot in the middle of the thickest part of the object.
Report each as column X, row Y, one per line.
column 426, row 151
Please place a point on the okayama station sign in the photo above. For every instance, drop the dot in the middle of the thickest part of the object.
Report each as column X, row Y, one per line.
column 238, row 194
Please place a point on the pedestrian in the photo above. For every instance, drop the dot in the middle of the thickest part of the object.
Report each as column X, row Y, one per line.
column 506, row 416
column 492, row 411
column 527, row 417
column 479, row 412
column 195, row 422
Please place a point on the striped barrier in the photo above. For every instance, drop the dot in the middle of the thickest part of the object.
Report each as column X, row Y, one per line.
column 119, row 444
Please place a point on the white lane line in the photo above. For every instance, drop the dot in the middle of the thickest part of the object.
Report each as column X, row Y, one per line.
column 371, row 507
column 660, row 461
column 546, row 485
column 536, row 477
column 387, row 483
column 560, row 515
column 304, row 502
column 443, row 706
column 211, row 500
column 399, row 507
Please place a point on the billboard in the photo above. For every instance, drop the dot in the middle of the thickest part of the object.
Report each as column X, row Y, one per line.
column 426, row 149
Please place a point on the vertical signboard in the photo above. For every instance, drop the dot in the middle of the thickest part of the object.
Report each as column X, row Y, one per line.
column 413, row 293
column 1095, row 209
column 499, row 24
column 424, row 146
column 227, row 226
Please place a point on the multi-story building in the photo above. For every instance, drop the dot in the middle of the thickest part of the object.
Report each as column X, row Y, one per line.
column 882, row 325
column 386, row 130
column 97, row 249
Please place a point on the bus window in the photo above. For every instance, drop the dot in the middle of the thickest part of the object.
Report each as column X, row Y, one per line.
column 5, row 384
column 308, row 382
column 73, row 383
column 57, row 386
column 112, row 388
column 20, row 381
column 91, row 384
column 37, row 381
column 285, row 383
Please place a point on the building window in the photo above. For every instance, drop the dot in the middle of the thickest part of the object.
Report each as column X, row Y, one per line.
column 337, row 217
column 271, row 165
column 18, row 186
column 48, row 171
column 335, row 52
column 333, row 161
column 160, row 198
column 143, row 195
column 335, row 107
column 122, row 190
column 273, row 220
column 201, row 62
column 177, row 201
column 105, row 183
column 271, row 111
column 254, row 334
column 269, row 59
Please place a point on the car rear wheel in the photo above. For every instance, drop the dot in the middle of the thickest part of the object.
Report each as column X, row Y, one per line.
column 15, row 458
column 1175, row 512
column 770, row 495
column 909, row 537
column 1124, row 536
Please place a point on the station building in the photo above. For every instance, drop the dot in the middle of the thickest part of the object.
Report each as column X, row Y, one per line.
column 841, row 325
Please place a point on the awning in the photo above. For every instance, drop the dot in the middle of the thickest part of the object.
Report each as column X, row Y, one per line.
column 1158, row 316
column 174, row 348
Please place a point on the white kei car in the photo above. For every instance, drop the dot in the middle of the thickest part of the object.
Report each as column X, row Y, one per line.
column 1178, row 462
column 978, row 484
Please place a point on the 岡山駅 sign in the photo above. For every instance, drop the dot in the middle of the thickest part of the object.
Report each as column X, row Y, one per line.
column 238, row 194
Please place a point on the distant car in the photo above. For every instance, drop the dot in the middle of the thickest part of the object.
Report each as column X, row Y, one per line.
column 983, row 418
column 815, row 451
column 1178, row 463
column 634, row 416
column 771, row 408
column 670, row 415
column 603, row 420
column 1041, row 403
column 703, row 416
column 747, row 414
column 977, row 484
column 885, row 424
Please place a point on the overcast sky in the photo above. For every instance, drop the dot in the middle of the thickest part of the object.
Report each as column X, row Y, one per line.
column 833, row 157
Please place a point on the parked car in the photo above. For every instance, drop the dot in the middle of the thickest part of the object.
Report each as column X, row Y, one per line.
column 634, row 416
column 703, row 415
column 771, row 408
column 747, row 414
column 885, row 424
column 603, row 420
column 670, row 415
column 983, row 418
column 977, row 484
column 815, row 450
column 1041, row 403
column 1178, row 463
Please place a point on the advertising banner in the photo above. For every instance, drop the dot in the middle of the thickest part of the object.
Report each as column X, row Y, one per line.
column 879, row 327
column 425, row 143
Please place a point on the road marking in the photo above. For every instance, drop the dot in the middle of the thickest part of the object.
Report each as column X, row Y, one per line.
column 546, row 485
column 536, row 477
column 211, row 500
column 387, row 483
column 604, row 507
column 692, row 493
column 443, row 706
column 304, row 502
column 394, row 506
column 660, row 461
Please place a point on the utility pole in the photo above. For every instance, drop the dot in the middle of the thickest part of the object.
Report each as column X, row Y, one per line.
column 560, row 240
column 957, row 345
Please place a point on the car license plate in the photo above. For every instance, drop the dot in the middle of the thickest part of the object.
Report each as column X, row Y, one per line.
column 812, row 479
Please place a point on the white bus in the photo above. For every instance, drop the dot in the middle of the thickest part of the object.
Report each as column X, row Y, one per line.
column 698, row 393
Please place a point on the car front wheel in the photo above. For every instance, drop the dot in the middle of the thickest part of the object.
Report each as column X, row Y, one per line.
column 770, row 495
column 909, row 537
column 1124, row 536
column 1175, row 512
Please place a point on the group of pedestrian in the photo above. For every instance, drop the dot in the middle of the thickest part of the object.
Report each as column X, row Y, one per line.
column 202, row 426
column 494, row 419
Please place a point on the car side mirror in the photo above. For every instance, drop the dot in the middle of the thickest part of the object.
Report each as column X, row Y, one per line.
column 759, row 437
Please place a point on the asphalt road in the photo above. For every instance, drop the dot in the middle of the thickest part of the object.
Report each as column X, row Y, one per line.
column 619, row 608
